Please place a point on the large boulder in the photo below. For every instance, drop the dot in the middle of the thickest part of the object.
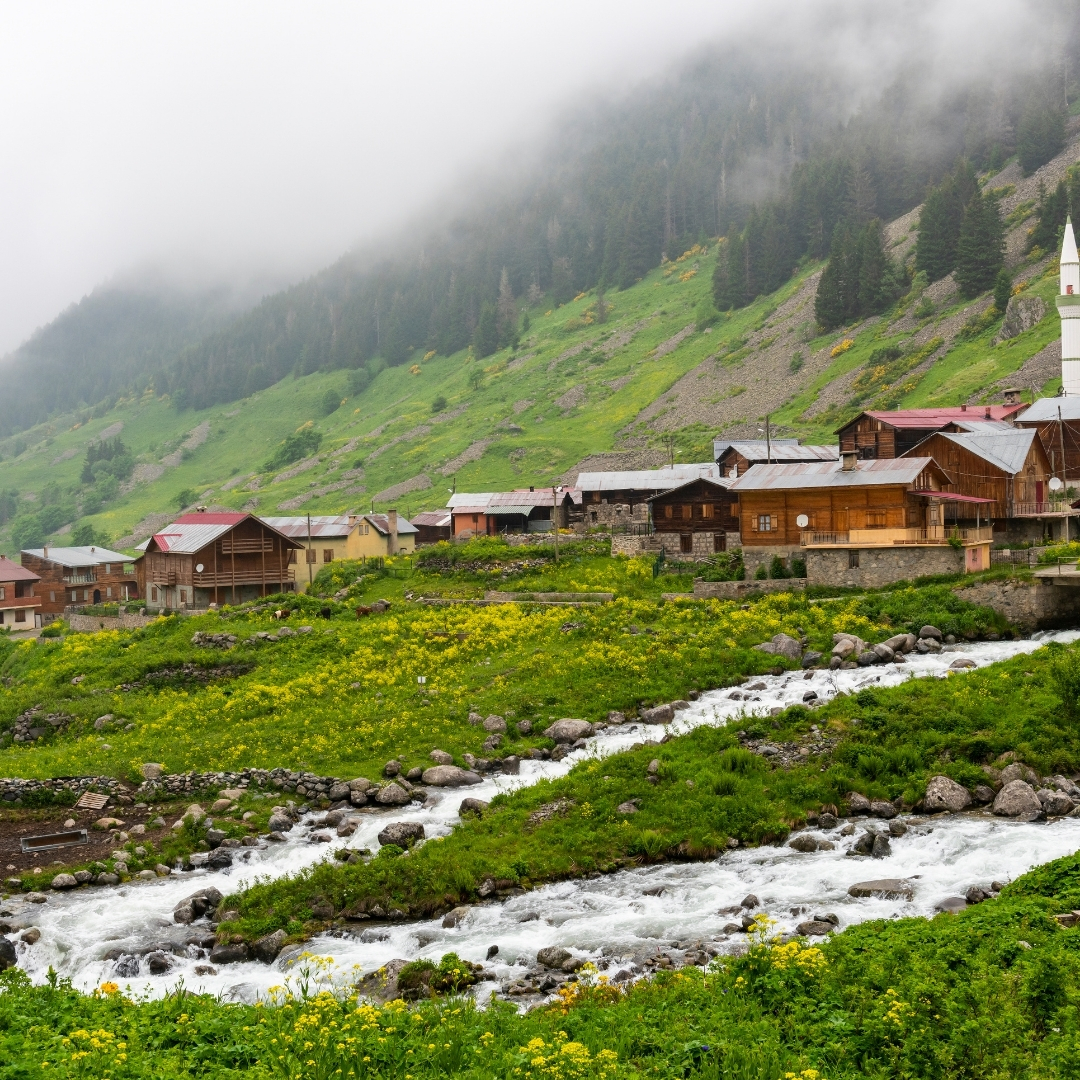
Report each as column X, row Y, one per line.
column 814, row 928
column 883, row 889
column 1019, row 771
column 845, row 647
column 268, row 946
column 279, row 823
column 8, row 959
column 883, row 652
column 569, row 731
column 1021, row 314
column 495, row 724
column 945, row 794
column 394, row 794
column 402, row 833
column 197, row 904
column 930, row 632
column 64, row 881
column 782, row 645
column 441, row 757
column 450, row 776
column 1017, row 798
column 1055, row 803
column 900, row 642
column 883, row 809
column 554, row 956
column 230, row 954
column 661, row 714
column 859, row 804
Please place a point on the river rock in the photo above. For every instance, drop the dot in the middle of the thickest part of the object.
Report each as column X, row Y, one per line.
column 1015, row 798
column 492, row 742
column 569, row 731
column 511, row 765
column 31, row 936
column 901, row 642
column 882, row 849
column 8, row 959
column 449, row 776
column 454, row 917
column 197, row 904
column 441, row 757
column 268, row 946
column 943, row 793
column 391, row 768
column 750, row 901
column 152, row 770
column 402, row 833
column 64, row 881
column 230, row 954
column 928, row 645
column 883, row 652
column 782, row 645
column 984, row 794
column 951, row 905
column 814, row 928
column 1019, row 771
column 962, row 663
column 844, row 648
column 554, row 956
column 472, row 806
column 882, row 809
column 394, row 794
column 803, row 843
column 158, row 962
column 883, row 889
column 107, row 879
column 661, row 714
column 929, row 632
column 279, row 823
column 858, row 804
column 1055, row 803
column 494, row 724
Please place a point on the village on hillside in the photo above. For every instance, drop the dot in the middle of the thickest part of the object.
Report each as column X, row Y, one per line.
column 902, row 494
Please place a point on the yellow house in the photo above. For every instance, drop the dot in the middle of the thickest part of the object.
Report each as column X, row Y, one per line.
column 348, row 536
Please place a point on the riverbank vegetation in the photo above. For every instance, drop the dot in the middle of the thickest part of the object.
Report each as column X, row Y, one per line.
column 987, row 994
column 686, row 798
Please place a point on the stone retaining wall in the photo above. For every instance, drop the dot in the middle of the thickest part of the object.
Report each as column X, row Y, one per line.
column 735, row 590
column 1030, row 605
column 13, row 788
column 91, row 624
column 876, row 566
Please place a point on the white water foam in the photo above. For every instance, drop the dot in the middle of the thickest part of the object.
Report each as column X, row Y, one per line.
column 612, row 913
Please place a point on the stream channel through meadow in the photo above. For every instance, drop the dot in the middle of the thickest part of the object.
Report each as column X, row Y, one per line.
column 616, row 920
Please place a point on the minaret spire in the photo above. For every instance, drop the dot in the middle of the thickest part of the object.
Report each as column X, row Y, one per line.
column 1068, row 305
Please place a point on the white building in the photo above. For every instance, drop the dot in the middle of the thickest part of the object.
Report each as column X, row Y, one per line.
column 1068, row 305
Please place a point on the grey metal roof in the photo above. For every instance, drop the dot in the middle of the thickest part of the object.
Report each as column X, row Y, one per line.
column 1047, row 409
column 984, row 425
column 469, row 498
column 434, row 518
column 322, row 527
column 1008, row 450
column 779, row 450
column 649, row 479
column 90, row 555
column 831, row 474
column 382, row 524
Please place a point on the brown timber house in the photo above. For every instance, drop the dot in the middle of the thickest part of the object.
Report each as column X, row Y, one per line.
column 701, row 512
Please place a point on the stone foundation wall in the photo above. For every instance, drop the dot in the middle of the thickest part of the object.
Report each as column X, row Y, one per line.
column 15, row 788
column 1030, row 605
column 753, row 557
column 879, row 566
column 626, row 544
column 735, row 590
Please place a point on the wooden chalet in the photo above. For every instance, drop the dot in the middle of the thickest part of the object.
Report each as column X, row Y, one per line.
column 20, row 608
column 205, row 558
column 74, row 576
column 702, row 513
column 884, row 502
column 892, row 434
column 1009, row 469
column 734, row 458
column 432, row 526
column 635, row 488
column 1057, row 421
column 491, row 513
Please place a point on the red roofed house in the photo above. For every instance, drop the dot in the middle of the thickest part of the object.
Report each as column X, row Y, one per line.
column 891, row 434
column 19, row 607
column 205, row 558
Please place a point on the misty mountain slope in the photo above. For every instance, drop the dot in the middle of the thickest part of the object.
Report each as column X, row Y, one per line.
column 116, row 338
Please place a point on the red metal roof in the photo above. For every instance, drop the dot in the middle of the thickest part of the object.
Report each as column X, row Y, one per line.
column 951, row 496
column 12, row 571
column 225, row 518
column 938, row 418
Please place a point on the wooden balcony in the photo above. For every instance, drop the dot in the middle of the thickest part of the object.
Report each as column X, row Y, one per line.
column 224, row 579
column 933, row 536
column 1057, row 508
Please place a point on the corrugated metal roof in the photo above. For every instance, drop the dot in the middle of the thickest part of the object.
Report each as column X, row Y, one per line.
column 831, row 474
column 433, row 518
column 723, row 485
column 12, row 571
column 184, row 539
column 477, row 502
column 1008, row 450
column 90, row 555
column 469, row 498
column 984, row 425
column 938, row 418
column 382, row 523
column 648, row 479
column 780, row 450
column 1047, row 409
column 225, row 517
column 322, row 527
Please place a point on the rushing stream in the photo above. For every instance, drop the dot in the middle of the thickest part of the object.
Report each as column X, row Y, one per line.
column 620, row 919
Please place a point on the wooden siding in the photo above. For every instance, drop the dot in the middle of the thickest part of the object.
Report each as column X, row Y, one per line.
column 64, row 585
column 1054, row 436
column 695, row 507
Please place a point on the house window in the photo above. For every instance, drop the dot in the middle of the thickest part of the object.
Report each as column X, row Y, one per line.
column 328, row 555
column 853, row 560
column 20, row 615
column 74, row 596
column 3, row 593
column 668, row 511
column 86, row 594
column 311, row 555
column 707, row 510
column 875, row 519
column 20, row 589
column 688, row 513
column 764, row 523
column 719, row 541
column 52, row 596
column 686, row 543
column 108, row 592
column 108, row 568
column 1, row 618
column 292, row 556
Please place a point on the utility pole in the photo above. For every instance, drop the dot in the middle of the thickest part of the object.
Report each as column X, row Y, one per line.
column 310, row 553
column 768, row 440
column 555, row 518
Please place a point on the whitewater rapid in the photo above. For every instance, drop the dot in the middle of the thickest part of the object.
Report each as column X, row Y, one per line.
column 620, row 918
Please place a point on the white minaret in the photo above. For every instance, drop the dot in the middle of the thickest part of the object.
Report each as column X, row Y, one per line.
column 1068, row 305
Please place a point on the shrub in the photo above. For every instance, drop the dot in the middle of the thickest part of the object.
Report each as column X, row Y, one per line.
column 777, row 568
column 1065, row 679
column 438, row 404
column 760, row 574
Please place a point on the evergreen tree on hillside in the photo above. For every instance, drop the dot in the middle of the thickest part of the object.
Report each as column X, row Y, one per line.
column 873, row 270
column 829, row 306
column 1040, row 135
column 506, row 311
column 486, row 338
column 860, row 279
column 940, row 220
column 1053, row 209
column 1002, row 289
column 981, row 250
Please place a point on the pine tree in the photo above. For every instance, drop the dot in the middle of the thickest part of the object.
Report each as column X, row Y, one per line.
column 1053, row 209
column 935, row 248
column 981, row 250
column 525, row 324
column 872, row 270
column 1002, row 290
column 506, row 311
column 486, row 338
column 1040, row 135
column 833, row 301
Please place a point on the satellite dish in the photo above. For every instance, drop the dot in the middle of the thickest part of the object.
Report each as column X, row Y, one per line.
column 802, row 521
column 1055, row 484
column 198, row 568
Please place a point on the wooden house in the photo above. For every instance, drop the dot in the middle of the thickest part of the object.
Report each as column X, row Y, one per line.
column 20, row 607
column 633, row 488
column 73, row 576
column 734, row 458
column 701, row 512
column 432, row 526
column 891, row 434
column 1057, row 421
column 205, row 558
column 493, row 512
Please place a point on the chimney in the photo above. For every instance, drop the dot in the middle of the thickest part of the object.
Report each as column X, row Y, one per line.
column 531, row 488
column 848, row 460
column 963, row 408
column 392, row 539
column 987, row 414
column 1012, row 396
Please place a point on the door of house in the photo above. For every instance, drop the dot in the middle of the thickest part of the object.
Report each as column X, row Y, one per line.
column 719, row 541
column 97, row 596
column 686, row 543
column 1039, row 491
column 840, row 520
